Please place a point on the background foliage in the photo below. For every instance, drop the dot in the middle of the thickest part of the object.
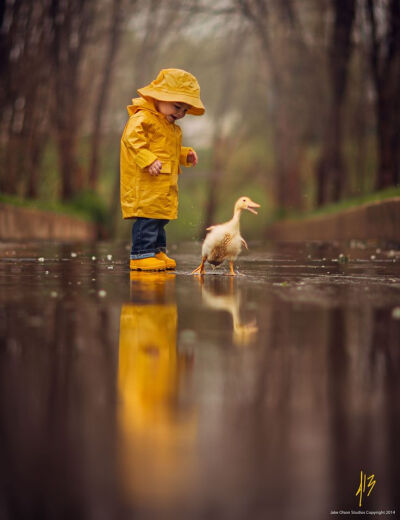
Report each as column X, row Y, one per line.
column 301, row 96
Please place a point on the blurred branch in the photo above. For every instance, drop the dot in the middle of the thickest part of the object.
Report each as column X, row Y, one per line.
column 288, row 13
column 259, row 13
column 159, row 24
column 256, row 12
column 209, row 8
column 103, row 93
column 385, row 65
column 375, row 44
column 24, row 93
column 393, row 47
column 331, row 172
column 71, row 22
column 221, row 147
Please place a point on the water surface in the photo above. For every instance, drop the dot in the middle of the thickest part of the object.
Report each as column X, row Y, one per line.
column 128, row 395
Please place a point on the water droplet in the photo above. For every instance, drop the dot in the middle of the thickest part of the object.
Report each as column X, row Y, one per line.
column 343, row 258
column 102, row 293
column 188, row 335
column 396, row 313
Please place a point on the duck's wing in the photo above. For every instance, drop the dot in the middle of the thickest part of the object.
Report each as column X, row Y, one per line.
column 244, row 242
column 219, row 248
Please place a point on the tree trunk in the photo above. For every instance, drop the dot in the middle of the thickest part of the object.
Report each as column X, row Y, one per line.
column 214, row 182
column 388, row 106
column 70, row 19
column 115, row 32
column 68, row 163
column 219, row 151
column 36, row 155
column 388, row 142
column 385, row 64
column 286, row 171
column 331, row 172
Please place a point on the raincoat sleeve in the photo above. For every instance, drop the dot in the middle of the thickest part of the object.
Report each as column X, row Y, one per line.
column 136, row 138
column 183, row 157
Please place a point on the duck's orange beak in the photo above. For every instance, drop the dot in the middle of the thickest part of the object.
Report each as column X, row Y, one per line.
column 251, row 205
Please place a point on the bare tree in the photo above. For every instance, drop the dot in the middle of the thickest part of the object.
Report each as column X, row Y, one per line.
column 24, row 93
column 104, row 89
column 385, row 65
column 331, row 171
column 220, row 143
column 4, row 51
column 71, row 23
column 259, row 13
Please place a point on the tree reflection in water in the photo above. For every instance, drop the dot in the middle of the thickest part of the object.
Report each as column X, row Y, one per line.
column 98, row 421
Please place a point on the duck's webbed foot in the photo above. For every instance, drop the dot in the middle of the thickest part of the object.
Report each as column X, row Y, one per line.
column 231, row 271
column 201, row 269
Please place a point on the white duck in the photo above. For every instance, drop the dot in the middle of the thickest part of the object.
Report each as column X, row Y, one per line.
column 224, row 241
column 227, row 298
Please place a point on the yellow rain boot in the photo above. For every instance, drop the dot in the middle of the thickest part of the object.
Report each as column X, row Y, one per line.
column 169, row 262
column 147, row 264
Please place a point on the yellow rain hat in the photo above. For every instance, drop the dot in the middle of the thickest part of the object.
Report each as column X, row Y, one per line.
column 175, row 85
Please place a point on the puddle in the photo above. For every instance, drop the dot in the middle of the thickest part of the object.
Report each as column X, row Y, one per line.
column 144, row 395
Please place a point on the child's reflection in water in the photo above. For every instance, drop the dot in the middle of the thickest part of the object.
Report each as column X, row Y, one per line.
column 157, row 432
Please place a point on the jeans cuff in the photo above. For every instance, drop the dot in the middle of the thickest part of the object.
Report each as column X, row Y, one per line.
column 142, row 255
column 159, row 249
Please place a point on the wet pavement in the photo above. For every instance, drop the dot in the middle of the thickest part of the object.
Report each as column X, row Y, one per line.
column 173, row 396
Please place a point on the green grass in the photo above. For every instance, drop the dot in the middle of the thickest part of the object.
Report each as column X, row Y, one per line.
column 85, row 206
column 346, row 204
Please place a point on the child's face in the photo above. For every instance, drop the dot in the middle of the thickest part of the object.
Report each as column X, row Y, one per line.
column 172, row 110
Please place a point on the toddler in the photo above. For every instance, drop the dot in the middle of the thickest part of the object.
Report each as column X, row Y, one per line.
column 151, row 155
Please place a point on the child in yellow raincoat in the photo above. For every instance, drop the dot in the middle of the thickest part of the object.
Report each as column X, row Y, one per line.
column 151, row 155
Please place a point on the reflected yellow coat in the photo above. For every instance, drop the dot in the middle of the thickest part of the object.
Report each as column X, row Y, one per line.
column 157, row 436
column 149, row 136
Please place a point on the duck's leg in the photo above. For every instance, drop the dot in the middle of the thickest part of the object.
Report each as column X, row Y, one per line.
column 201, row 269
column 231, row 271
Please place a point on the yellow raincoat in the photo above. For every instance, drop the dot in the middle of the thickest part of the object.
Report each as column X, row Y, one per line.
column 148, row 136
column 157, row 433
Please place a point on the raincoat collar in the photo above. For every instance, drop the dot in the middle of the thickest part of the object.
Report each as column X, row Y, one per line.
column 142, row 104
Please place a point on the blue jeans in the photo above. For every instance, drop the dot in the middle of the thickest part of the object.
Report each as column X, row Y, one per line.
column 148, row 237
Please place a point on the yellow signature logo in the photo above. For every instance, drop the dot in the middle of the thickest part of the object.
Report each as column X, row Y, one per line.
column 366, row 482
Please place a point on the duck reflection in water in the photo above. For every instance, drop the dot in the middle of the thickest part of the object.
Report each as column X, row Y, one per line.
column 222, row 295
column 157, row 429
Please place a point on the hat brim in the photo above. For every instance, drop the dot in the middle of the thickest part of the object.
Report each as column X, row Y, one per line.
column 196, row 106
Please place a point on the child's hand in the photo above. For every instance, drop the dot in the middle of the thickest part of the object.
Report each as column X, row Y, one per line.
column 155, row 168
column 192, row 157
